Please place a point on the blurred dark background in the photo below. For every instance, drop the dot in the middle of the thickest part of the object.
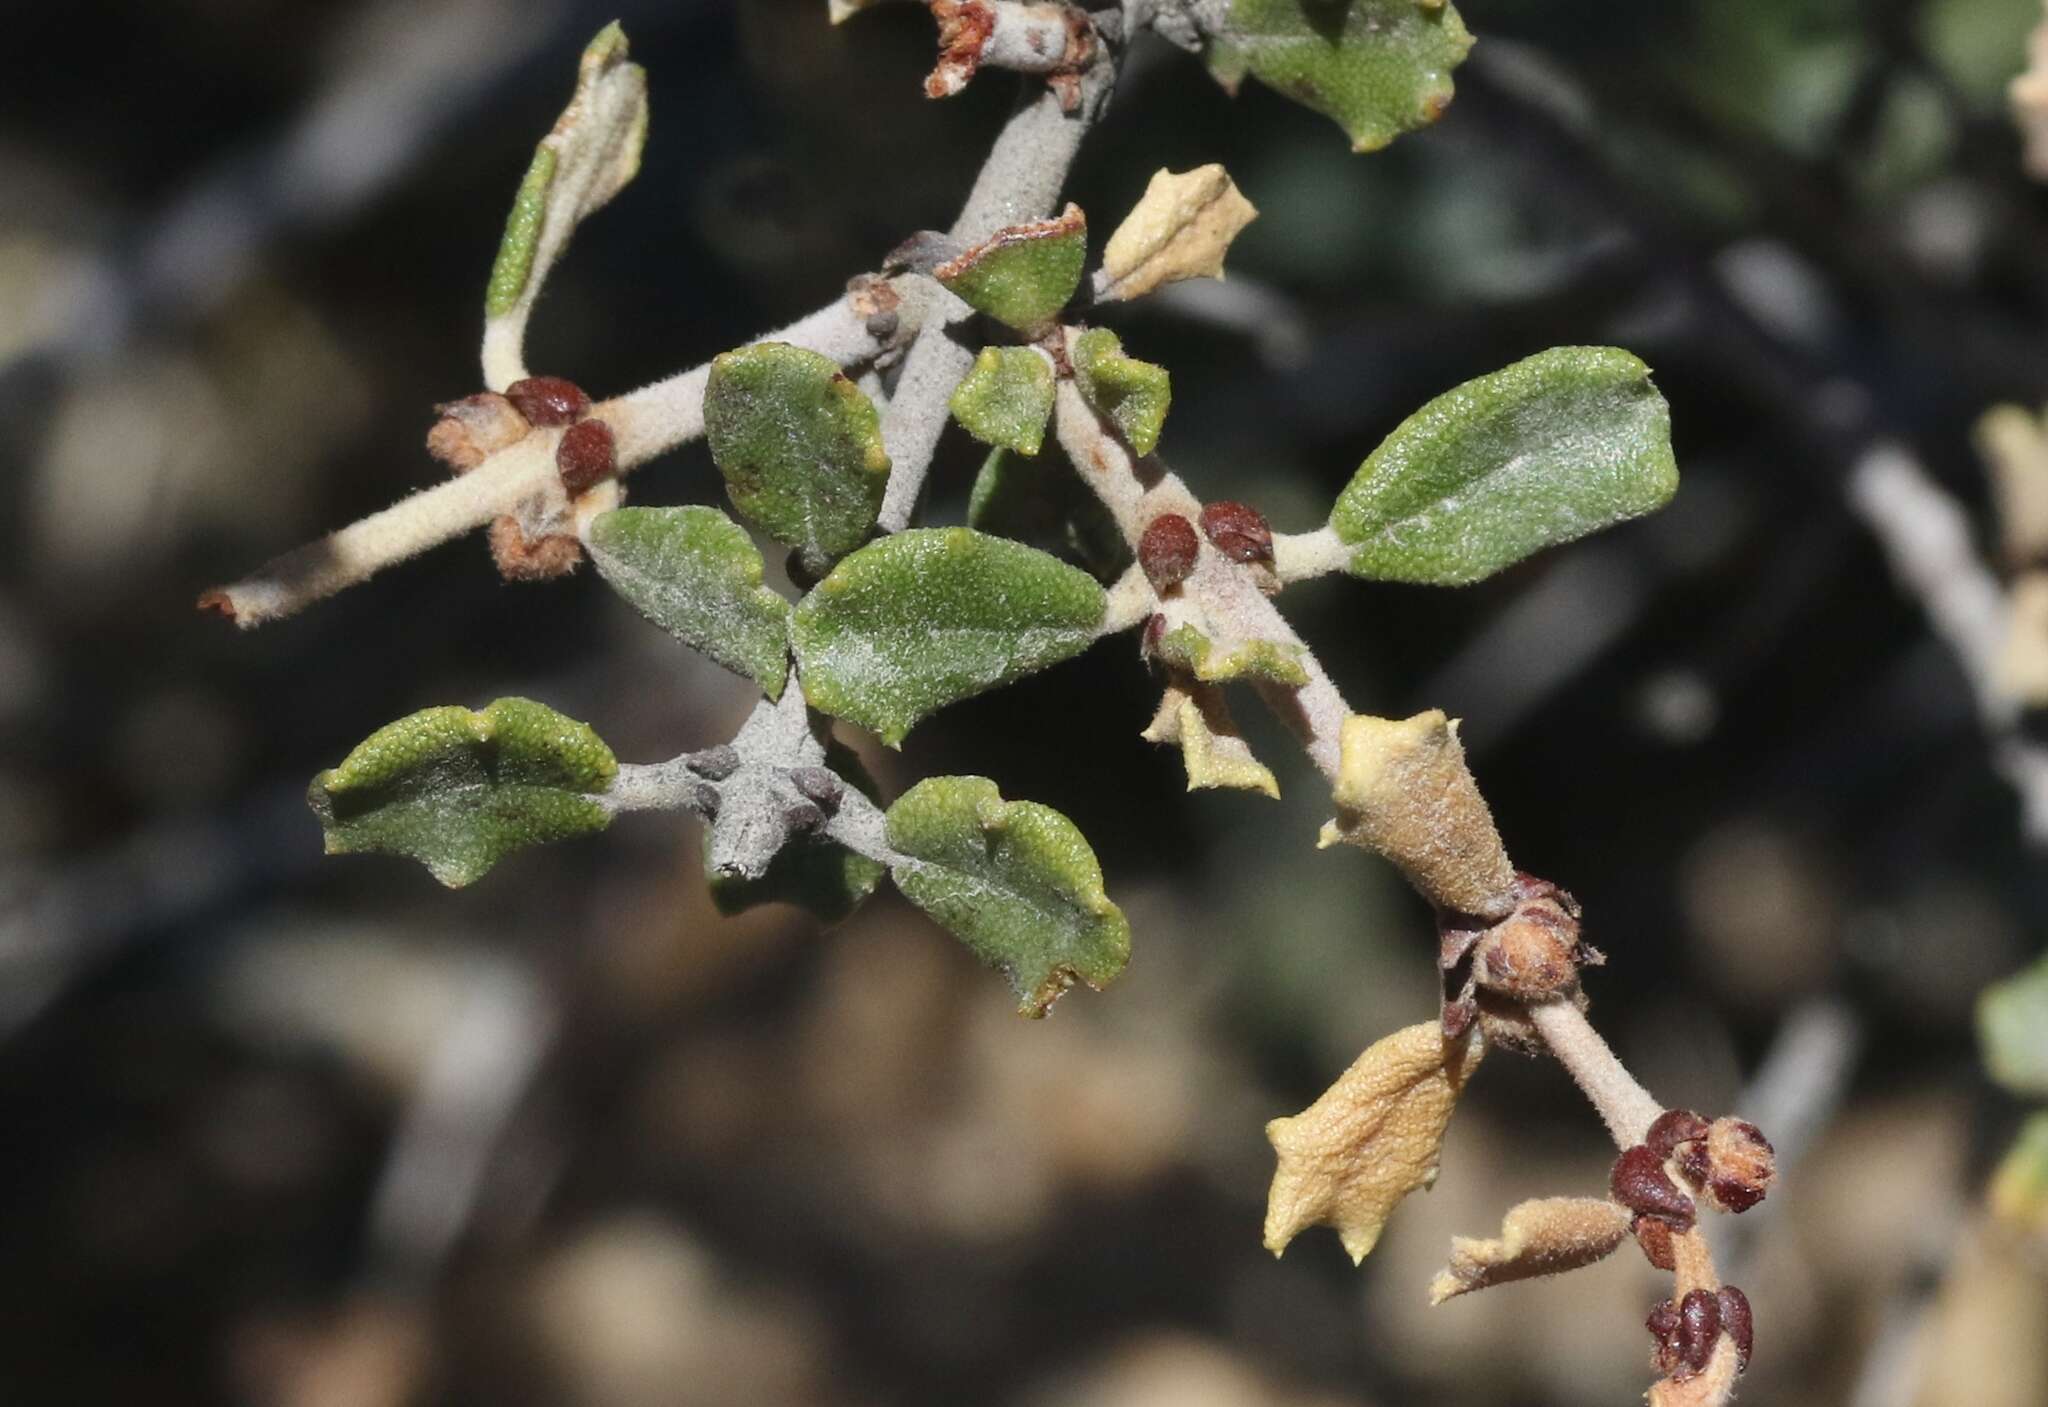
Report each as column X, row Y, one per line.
column 290, row 1131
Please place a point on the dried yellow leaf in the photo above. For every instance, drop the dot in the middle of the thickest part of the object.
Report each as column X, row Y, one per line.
column 1181, row 229
column 1373, row 1138
column 1199, row 721
column 1403, row 790
column 1544, row 1237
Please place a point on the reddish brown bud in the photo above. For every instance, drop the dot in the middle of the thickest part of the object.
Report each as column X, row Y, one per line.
column 1654, row 1234
column 473, row 429
column 820, row 784
column 1740, row 1164
column 1737, row 1324
column 586, row 455
column 1532, row 954
column 521, row 558
column 1663, row 1322
column 1239, row 531
column 1673, row 1127
column 1641, row 1184
column 1699, row 1324
column 549, row 400
column 1168, row 550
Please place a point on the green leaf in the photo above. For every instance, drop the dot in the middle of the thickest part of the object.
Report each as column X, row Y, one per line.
column 925, row 618
column 2012, row 1024
column 1267, row 661
column 1378, row 67
column 813, row 873
column 1014, row 881
column 800, row 447
column 593, row 151
column 459, row 790
column 1022, row 276
column 1133, row 394
column 1006, row 399
column 1563, row 444
column 1044, row 503
column 695, row 573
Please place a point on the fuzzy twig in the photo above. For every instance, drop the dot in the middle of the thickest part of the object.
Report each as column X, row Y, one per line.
column 1624, row 1105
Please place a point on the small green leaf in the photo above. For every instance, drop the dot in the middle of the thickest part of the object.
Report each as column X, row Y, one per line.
column 1562, row 444
column 800, row 447
column 2012, row 1024
column 1022, row 276
column 1014, row 881
column 1378, row 67
column 1007, row 398
column 925, row 618
column 695, row 573
column 1266, row 661
column 1133, row 394
column 589, row 156
column 460, row 790
column 819, row 875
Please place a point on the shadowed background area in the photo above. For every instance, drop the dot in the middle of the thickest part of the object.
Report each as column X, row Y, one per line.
column 317, row 1133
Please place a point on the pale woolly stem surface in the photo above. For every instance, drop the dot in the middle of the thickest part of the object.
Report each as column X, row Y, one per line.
column 1301, row 556
column 647, row 422
column 1624, row 1105
column 1020, row 181
column 1137, row 491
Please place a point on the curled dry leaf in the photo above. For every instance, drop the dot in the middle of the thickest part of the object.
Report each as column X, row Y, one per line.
column 1547, row 1236
column 1403, row 789
column 1181, row 229
column 1373, row 1138
column 1198, row 720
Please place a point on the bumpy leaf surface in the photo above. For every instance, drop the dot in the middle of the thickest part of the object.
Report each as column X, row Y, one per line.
column 1348, row 1159
column 2012, row 1020
column 1378, row 67
column 800, row 447
column 925, row 618
column 1134, row 395
column 1006, row 399
column 1562, row 444
column 459, row 790
column 695, row 573
column 1014, row 881
column 1266, row 661
column 819, row 875
column 1022, row 276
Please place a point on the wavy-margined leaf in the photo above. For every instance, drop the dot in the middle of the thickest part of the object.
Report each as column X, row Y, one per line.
column 1372, row 1138
column 925, row 618
column 459, row 790
column 1006, row 399
column 812, row 873
column 800, row 447
column 1133, row 394
column 1022, row 276
column 1181, row 229
column 1378, row 67
column 2012, row 1023
column 1557, row 446
column 1014, row 881
column 695, row 573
